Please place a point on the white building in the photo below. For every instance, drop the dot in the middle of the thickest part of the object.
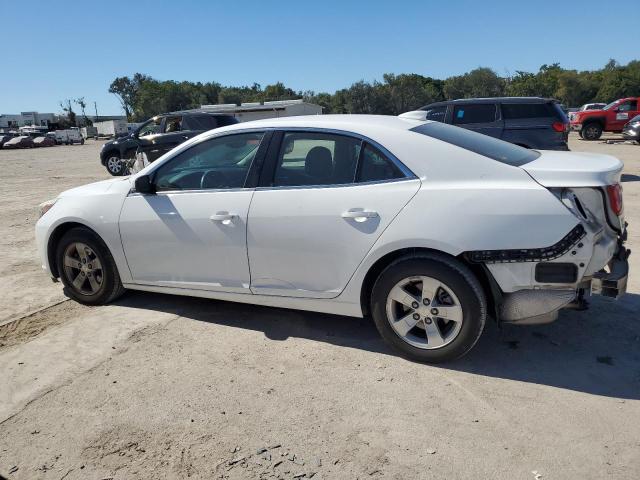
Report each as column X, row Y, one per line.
column 10, row 120
column 246, row 112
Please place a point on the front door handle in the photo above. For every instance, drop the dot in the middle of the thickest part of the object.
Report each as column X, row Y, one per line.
column 359, row 214
column 223, row 217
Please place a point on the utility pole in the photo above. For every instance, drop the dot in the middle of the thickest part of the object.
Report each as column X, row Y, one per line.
column 95, row 105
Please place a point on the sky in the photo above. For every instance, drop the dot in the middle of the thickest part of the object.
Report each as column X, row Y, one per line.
column 75, row 49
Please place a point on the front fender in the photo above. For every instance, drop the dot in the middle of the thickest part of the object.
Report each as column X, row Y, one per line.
column 99, row 213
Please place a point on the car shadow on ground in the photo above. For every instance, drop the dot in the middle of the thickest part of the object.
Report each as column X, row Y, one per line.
column 596, row 351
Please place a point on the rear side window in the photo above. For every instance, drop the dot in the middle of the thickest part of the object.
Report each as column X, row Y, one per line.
column 478, row 113
column 309, row 158
column 490, row 147
column 375, row 166
column 516, row 111
column 200, row 122
column 435, row 114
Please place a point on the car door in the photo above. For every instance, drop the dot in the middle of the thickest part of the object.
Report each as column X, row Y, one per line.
column 480, row 117
column 148, row 137
column 625, row 111
column 170, row 136
column 324, row 200
column 192, row 232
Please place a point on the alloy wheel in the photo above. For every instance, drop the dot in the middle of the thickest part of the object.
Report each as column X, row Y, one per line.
column 83, row 268
column 114, row 165
column 424, row 312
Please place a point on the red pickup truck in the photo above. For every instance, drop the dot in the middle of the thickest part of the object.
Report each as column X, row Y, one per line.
column 591, row 123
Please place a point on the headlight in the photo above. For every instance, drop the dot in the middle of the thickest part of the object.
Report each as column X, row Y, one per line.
column 44, row 207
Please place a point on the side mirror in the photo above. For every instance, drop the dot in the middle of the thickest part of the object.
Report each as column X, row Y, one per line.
column 144, row 184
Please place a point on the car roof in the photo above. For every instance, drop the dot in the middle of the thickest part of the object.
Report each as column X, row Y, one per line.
column 195, row 112
column 356, row 123
column 466, row 101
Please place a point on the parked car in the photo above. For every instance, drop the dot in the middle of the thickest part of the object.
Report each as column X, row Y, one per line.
column 43, row 142
column 586, row 106
column 158, row 135
column 5, row 137
column 428, row 228
column 530, row 122
column 591, row 123
column 22, row 141
column 631, row 130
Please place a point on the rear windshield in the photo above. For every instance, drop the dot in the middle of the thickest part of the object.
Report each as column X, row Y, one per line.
column 493, row 148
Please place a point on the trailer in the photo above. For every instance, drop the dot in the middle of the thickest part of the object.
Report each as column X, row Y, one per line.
column 111, row 128
column 89, row 132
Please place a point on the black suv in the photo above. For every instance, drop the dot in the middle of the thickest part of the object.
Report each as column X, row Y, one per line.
column 158, row 135
column 530, row 122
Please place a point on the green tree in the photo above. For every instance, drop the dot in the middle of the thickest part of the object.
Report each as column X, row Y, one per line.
column 478, row 83
column 126, row 89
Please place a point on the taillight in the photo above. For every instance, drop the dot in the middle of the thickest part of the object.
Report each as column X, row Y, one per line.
column 614, row 192
column 558, row 126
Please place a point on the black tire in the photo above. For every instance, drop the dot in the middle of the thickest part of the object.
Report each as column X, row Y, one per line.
column 591, row 131
column 111, row 285
column 114, row 165
column 458, row 278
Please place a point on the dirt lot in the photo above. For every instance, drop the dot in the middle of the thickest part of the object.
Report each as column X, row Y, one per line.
column 167, row 387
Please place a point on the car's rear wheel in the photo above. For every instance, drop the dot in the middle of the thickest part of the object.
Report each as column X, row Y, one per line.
column 87, row 269
column 114, row 165
column 429, row 307
column 592, row 131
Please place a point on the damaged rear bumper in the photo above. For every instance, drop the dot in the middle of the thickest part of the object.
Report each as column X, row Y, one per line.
column 536, row 306
column 613, row 283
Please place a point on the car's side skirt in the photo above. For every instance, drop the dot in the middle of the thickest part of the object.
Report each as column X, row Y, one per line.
column 333, row 306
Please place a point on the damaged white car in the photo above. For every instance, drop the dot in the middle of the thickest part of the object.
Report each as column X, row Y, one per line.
column 428, row 228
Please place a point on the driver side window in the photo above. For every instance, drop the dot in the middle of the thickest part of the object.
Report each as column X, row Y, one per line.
column 218, row 163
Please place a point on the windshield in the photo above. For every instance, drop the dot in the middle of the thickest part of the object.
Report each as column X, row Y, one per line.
column 610, row 106
column 503, row 152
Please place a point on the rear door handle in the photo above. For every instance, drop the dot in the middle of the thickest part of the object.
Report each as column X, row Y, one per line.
column 223, row 217
column 359, row 214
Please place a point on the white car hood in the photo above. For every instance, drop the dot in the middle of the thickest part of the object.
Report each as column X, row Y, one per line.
column 96, row 188
column 574, row 169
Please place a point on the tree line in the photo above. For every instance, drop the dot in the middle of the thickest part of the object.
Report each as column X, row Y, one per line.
column 142, row 96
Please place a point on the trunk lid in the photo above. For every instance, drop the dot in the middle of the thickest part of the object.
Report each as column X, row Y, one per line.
column 574, row 169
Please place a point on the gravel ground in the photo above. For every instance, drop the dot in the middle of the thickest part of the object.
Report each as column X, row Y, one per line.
column 166, row 387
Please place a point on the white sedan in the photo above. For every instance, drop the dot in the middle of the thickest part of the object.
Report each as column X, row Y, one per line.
column 429, row 229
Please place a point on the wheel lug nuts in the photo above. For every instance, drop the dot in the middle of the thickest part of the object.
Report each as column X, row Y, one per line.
column 426, row 301
column 434, row 311
column 416, row 316
column 415, row 305
column 428, row 321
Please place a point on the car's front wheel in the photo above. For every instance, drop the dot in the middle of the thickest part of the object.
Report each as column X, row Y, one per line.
column 114, row 165
column 429, row 307
column 592, row 131
column 87, row 269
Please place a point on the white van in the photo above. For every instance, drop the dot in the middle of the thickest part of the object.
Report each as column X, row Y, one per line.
column 69, row 136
